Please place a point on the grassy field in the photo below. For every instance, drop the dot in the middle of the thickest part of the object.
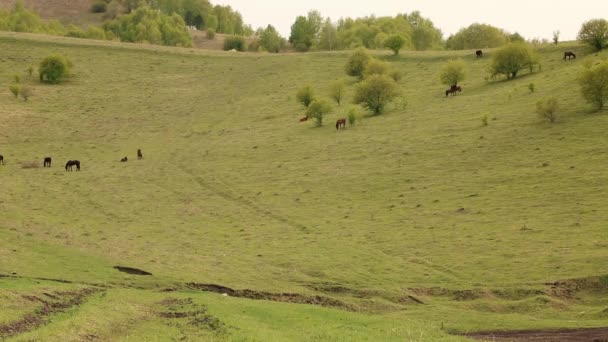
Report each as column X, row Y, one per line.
column 421, row 222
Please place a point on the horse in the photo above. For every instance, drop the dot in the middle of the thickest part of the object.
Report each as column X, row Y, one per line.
column 139, row 154
column 122, row 160
column 479, row 53
column 341, row 123
column 1, row 159
column 47, row 162
column 304, row 119
column 453, row 89
column 569, row 55
column 70, row 163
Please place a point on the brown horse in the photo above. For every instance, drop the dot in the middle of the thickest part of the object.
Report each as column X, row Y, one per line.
column 341, row 123
column 139, row 154
column 569, row 55
column 47, row 162
column 304, row 119
column 479, row 53
column 1, row 159
column 453, row 90
column 70, row 163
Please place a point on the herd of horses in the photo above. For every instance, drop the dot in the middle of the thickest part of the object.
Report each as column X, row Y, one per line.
column 71, row 163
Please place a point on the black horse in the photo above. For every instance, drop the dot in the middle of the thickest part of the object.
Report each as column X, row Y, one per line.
column 479, row 53
column 569, row 55
column 70, row 163
column 453, row 90
column 47, row 162
column 125, row 159
column 1, row 159
column 139, row 154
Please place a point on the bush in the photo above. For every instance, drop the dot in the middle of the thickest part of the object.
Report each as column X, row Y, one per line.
column 53, row 69
column 305, row 96
column 210, row 34
column 376, row 92
column 452, row 72
column 548, row 109
column 14, row 88
column 353, row 116
column 594, row 84
column 395, row 42
column 235, row 43
column 595, row 33
column 94, row 32
column 26, row 93
column 75, row 32
column 357, row 62
column 556, row 37
column 375, row 67
column 318, row 109
column 99, row 7
column 336, row 91
column 512, row 58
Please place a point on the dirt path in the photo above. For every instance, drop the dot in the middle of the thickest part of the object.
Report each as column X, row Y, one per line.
column 549, row 335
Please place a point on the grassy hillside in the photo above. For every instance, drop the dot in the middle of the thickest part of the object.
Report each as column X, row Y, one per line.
column 408, row 226
column 75, row 12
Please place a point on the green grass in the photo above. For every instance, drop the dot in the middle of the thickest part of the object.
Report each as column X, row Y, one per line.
column 234, row 191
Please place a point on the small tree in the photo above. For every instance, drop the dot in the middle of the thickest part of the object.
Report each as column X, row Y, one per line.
column 318, row 109
column 556, row 37
column 353, row 116
column 53, row 69
column 512, row 58
column 595, row 33
column 235, row 43
column 452, row 72
column 375, row 67
column 14, row 88
column 305, row 96
column 376, row 92
column 594, row 84
column 26, row 93
column 336, row 91
column 548, row 109
column 357, row 62
column 395, row 42
column 210, row 34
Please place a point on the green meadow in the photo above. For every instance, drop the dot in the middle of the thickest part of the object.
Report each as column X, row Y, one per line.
column 422, row 222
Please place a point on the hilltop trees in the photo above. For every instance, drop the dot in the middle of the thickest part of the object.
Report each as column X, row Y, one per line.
column 595, row 33
column 512, row 58
column 270, row 40
column 305, row 31
column 452, row 72
column 375, row 92
column 594, row 84
column 477, row 36
column 53, row 69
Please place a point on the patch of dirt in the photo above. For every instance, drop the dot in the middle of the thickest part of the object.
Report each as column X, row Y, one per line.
column 276, row 297
column 131, row 270
column 39, row 317
column 569, row 287
column 197, row 314
column 548, row 335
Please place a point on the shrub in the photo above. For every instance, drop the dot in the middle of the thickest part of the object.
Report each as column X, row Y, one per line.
column 26, row 93
column 318, row 109
column 512, row 58
column 357, row 62
column 14, row 88
column 548, row 109
column 375, row 67
column 53, row 69
column 595, row 33
column 99, row 7
column 594, row 84
column 556, row 37
column 375, row 93
column 75, row 32
column 210, row 34
column 94, row 32
column 452, row 72
column 353, row 116
column 336, row 91
column 305, row 96
column 235, row 43
column 395, row 42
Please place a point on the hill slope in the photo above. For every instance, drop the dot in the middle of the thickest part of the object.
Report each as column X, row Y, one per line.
column 418, row 220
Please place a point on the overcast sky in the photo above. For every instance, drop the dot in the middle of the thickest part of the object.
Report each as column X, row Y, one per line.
column 531, row 18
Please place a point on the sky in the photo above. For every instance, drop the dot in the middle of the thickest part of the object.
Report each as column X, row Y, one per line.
column 530, row 18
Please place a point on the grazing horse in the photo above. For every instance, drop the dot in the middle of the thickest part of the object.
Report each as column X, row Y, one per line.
column 304, row 119
column 341, row 123
column 122, row 160
column 453, row 90
column 479, row 53
column 139, row 154
column 1, row 159
column 70, row 163
column 47, row 162
column 569, row 55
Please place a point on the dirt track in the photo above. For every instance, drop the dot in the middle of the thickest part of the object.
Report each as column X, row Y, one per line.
column 565, row 335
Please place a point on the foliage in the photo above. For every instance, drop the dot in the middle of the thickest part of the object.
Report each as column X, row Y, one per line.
column 336, row 91
column 53, row 69
column 548, row 109
column 235, row 43
column 375, row 67
column 317, row 110
column 594, row 84
column 210, row 34
column 148, row 25
column 425, row 36
column 305, row 96
column 328, row 37
column 556, row 37
column 477, row 36
column 99, row 7
column 14, row 88
column 452, row 72
column 270, row 40
column 395, row 42
column 94, row 32
column 305, row 31
column 25, row 93
column 595, row 33
column 375, row 92
column 512, row 58
column 357, row 62
column 353, row 115
column 75, row 32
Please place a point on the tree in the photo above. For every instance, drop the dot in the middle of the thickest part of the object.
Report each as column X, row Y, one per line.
column 376, row 92
column 235, row 43
column 512, row 58
column 317, row 110
column 328, row 38
column 53, row 69
column 305, row 96
column 336, row 91
column 305, row 31
column 357, row 62
column 375, row 67
column 556, row 37
column 424, row 34
column 477, row 36
column 452, row 72
column 595, row 33
column 270, row 40
column 395, row 42
column 594, row 84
